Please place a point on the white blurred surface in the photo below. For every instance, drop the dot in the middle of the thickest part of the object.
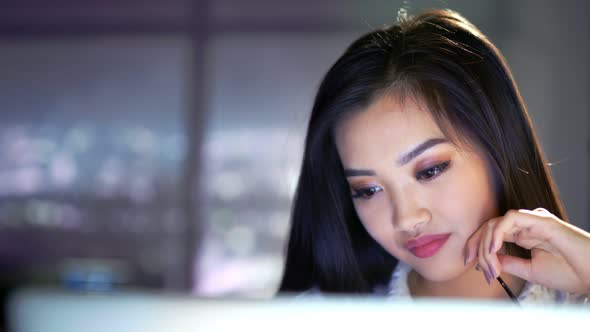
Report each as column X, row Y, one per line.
column 39, row 310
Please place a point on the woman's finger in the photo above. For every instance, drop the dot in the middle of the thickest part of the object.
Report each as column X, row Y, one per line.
column 471, row 247
column 514, row 224
column 517, row 266
column 481, row 256
column 486, row 248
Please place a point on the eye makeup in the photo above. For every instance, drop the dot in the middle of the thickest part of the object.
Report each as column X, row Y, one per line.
column 366, row 192
column 433, row 171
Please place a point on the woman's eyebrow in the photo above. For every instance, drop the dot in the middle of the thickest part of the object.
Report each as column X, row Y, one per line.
column 358, row 172
column 415, row 152
column 404, row 159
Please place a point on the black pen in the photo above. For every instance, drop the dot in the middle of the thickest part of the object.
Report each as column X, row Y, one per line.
column 508, row 291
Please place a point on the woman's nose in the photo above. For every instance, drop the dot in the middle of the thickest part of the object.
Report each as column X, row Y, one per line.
column 410, row 214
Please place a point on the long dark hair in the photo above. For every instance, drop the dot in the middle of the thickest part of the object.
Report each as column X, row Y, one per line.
column 469, row 90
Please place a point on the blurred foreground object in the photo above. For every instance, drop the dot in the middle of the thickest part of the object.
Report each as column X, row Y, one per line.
column 44, row 310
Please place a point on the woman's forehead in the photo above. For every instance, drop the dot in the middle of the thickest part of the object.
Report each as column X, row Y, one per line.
column 391, row 120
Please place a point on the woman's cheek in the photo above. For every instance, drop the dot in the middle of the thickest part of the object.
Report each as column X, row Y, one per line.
column 456, row 202
column 373, row 213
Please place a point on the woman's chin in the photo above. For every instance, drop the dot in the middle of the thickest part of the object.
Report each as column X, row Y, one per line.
column 440, row 273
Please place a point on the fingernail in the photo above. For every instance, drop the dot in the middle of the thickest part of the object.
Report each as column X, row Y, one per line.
column 465, row 255
column 485, row 274
column 491, row 246
column 493, row 272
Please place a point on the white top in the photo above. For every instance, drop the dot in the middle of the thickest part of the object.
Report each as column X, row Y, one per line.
column 530, row 294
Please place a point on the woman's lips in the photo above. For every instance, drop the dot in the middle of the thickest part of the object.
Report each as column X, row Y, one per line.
column 427, row 245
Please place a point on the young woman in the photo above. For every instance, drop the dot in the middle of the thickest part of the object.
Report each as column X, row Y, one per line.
column 422, row 176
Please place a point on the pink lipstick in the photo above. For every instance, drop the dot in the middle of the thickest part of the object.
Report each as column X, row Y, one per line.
column 427, row 245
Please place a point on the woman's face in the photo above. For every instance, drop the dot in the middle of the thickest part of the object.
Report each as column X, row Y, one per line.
column 417, row 194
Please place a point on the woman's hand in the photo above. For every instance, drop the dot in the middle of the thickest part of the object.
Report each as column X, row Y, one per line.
column 559, row 251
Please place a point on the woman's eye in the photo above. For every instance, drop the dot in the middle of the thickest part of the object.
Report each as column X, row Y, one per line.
column 366, row 193
column 432, row 172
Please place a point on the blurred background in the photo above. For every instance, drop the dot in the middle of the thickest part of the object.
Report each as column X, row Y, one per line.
column 156, row 144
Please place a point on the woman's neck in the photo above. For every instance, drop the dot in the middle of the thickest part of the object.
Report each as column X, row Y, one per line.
column 470, row 284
